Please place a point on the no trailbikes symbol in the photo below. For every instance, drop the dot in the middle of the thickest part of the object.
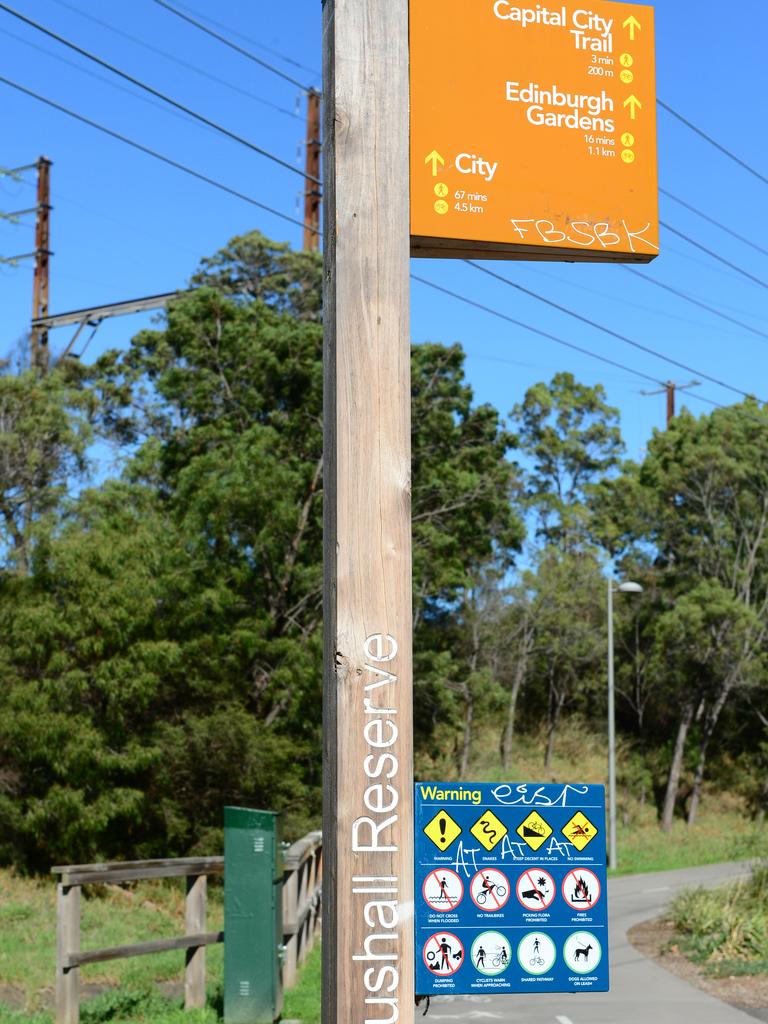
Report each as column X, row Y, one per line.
column 581, row 889
column 536, row 889
column 442, row 890
column 443, row 953
column 489, row 890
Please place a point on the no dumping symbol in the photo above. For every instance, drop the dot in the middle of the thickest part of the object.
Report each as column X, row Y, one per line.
column 443, row 953
column 442, row 890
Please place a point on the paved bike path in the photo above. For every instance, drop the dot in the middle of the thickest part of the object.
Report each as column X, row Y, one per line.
column 641, row 991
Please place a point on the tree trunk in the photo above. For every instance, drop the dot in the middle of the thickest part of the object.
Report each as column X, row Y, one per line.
column 466, row 743
column 709, row 728
column 675, row 768
column 521, row 669
column 556, row 701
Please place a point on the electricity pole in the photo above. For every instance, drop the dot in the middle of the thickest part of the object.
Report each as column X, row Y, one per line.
column 39, row 353
column 670, row 389
column 312, row 192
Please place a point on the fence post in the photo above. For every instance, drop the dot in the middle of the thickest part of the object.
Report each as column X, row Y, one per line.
column 195, row 913
column 67, row 941
column 291, row 930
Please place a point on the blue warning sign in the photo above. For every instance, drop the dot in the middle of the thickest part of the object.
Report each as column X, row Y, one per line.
column 510, row 888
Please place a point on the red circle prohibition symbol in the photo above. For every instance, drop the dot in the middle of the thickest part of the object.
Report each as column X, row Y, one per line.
column 447, row 890
column 443, row 954
column 581, row 889
column 536, row 889
column 492, row 896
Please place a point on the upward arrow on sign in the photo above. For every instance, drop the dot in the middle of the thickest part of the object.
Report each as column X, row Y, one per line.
column 434, row 158
column 634, row 105
column 632, row 23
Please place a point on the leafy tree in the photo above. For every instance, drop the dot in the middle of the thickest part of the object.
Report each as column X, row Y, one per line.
column 572, row 437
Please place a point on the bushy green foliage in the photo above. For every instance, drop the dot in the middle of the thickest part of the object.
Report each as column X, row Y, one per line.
column 728, row 925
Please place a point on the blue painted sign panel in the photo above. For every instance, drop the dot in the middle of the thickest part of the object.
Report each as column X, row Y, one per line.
column 510, row 888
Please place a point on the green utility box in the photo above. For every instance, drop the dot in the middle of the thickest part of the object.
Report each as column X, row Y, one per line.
column 253, row 916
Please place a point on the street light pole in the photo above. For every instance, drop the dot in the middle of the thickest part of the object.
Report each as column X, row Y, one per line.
column 628, row 587
column 611, row 738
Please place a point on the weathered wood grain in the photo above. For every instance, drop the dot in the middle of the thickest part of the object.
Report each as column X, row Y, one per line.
column 367, row 597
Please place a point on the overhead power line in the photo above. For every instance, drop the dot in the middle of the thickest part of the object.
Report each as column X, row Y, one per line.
column 712, row 142
column 537, row 330
column 717, row 223
column 254, row 42
column 150, row 152
column 695, row 301
column 714, row 255
column 177, row 60
column 607, row 330
column 232, row 46
column 154, row 92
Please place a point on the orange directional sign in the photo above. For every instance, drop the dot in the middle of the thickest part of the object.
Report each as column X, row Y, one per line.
column 533, row 130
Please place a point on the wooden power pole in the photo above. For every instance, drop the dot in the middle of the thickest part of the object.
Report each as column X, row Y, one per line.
column 312, row 192
column 368, row 958
column 39, row 354
column 670, row 389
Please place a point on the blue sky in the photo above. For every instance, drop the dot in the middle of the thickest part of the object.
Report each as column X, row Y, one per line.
column 124, row 225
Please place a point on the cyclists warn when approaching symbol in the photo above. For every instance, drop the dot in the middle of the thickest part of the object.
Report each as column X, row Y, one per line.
column 579, row 830
column 442, row 830
column 489, row 830
column 534, row 830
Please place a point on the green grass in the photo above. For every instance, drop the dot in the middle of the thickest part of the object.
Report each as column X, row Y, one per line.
column 725, row 929
column 303, row 1001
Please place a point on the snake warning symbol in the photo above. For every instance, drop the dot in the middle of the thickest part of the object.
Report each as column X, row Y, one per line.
column 488, row 830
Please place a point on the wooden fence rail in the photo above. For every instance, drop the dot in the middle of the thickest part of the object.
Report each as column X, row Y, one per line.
column 302, row 878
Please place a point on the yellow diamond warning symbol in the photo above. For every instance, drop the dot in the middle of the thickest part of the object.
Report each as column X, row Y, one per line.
column 442, row 830
column 580, row 830
column 489, row 830
column 534, row 830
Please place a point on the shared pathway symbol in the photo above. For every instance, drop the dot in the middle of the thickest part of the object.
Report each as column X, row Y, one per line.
column 510, row 888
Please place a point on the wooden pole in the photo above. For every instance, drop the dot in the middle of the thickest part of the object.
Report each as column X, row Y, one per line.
column 67, row 942
column 368, row 749
column 195, row 915
column 312, row 192
column 40, row 284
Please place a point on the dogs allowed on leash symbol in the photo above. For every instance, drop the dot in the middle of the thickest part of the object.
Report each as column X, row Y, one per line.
column 443, row 953
column 581, row 889
column 442, row 890
column 489, row 889
column 536, row 889
column 582, row 952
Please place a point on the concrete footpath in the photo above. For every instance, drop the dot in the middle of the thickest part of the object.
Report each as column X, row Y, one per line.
column 641, row 992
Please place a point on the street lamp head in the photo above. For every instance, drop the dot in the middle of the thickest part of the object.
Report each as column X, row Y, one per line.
column 630, row 588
